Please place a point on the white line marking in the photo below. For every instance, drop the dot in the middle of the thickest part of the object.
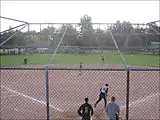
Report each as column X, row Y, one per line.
column 44, row 103
column 31, row 98
column 141, row 100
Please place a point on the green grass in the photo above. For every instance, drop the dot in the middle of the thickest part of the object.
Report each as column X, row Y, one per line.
column 110, row 58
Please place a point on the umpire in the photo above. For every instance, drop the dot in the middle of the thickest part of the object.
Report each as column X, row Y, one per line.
column 85, row 110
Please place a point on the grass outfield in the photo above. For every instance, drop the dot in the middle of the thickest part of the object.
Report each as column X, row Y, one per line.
column 110, row 58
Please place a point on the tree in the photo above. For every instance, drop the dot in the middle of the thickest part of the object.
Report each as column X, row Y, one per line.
column 86, row 35
column 69, row 36
column 126, row 27
column 101, row 38
column 86, row 24
column 46, row 33
column 118, row 27
column 19, row 38
column 32, row 37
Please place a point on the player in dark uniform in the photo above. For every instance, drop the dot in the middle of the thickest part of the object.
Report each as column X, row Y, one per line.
column 85, row 110
column 80, row 68
column 103, row 94
column 102, row 59
column 25, row 60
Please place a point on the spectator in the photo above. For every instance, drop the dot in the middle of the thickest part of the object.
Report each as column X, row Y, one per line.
column 86, row 110
column 103, row 94
column 113, row 109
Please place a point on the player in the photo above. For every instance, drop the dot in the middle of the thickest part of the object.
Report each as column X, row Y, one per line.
column 103, row 94
column 102, row 59
column 80, row 68
column 85, row 110
column 25, row 60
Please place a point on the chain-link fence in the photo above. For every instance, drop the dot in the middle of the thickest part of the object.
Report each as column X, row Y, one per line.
column 39, row 93
column 144, row 94
column 23, row 94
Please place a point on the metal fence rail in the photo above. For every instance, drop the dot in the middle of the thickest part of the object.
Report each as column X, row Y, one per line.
column 57, row 93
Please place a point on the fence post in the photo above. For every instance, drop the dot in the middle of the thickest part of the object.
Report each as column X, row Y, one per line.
column 127, row 93
column 47, row 92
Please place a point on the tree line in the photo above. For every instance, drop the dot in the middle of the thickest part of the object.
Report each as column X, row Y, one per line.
column 85, row 36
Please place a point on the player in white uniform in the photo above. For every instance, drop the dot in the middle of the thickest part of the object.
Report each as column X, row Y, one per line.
column 103, row 94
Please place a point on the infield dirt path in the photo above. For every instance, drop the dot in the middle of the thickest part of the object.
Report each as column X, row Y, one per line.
column 23, row 92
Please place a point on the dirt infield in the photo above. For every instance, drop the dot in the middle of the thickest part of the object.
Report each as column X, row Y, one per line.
column 23, row 92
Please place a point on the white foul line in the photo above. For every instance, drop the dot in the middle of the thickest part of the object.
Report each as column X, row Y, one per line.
column 31, row 98
column 44, row 103
column 141, row 100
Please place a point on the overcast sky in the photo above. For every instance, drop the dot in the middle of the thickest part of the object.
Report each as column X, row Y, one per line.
column 71, row 11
